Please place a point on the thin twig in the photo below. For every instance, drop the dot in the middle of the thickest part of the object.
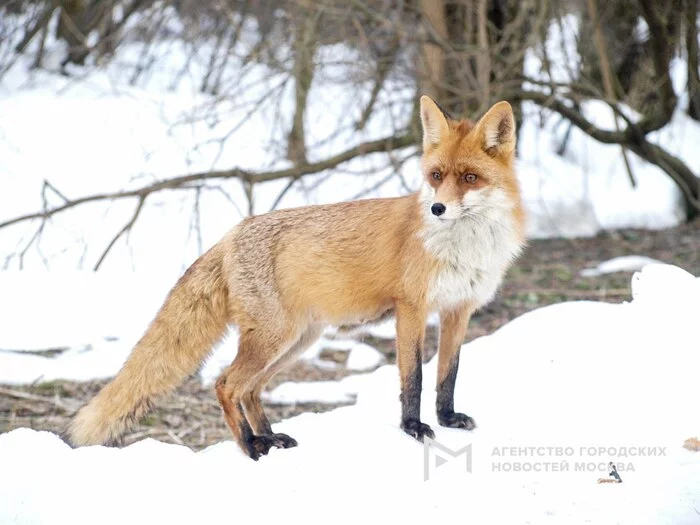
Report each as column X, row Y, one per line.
column 127, row 227
column 283, row 193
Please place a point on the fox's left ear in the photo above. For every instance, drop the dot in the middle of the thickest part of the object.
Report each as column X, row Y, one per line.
column 497, row 130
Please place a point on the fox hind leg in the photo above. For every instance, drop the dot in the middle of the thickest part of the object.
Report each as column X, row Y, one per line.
column 251, row 400
column 257, row 351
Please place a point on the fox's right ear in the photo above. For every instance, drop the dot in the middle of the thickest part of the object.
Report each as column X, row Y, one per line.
column 497, row 130
column 435, row 126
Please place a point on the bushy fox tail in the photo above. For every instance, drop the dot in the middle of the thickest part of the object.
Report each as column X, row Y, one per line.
column 192, row 319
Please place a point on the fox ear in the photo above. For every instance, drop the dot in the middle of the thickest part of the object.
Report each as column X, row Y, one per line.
column 435, row 127
column 497, row 129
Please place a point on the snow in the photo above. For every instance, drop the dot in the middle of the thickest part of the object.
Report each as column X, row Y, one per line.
column 601, row 382
column 361, row 356
column 387, row 329
column 625, row 263
column 42, row 310
column 383, row 330
column 364, row 357
column 291, row 393
column 678, row 286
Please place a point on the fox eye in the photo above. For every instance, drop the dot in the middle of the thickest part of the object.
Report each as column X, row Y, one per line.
column 469, row 177
column 436, row 175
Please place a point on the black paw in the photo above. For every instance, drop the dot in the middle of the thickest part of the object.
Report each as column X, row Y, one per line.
column 418, row 430
column 283, row 440
column 456, row 420
column 260, row 446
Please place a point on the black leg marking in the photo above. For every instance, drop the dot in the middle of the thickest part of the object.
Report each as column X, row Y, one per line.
column 446, row 389
column 254, row 447
column 447, row 417
column 410, row 401
column 265, row 427
column 257, row 446
column 411, row 391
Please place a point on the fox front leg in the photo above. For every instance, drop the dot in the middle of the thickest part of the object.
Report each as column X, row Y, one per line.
column 453, row 328
column 410, row 331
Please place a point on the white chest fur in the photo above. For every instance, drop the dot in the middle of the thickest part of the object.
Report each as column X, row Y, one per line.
column 474, row 255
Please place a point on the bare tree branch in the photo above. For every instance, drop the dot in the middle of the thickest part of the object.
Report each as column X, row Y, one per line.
column 125, row 229
column 633, row 137
column 186, row 181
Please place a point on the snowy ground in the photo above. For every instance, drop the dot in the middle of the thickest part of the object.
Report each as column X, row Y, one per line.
column 575, row 385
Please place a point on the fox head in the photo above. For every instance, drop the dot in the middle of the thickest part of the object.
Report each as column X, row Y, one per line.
column 468, row 167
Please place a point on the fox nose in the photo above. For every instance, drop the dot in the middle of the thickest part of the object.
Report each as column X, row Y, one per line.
column 438, row 208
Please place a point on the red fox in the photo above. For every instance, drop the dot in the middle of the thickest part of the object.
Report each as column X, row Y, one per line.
column 284, row 276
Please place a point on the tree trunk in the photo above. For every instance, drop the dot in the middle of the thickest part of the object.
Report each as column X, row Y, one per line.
column 78, row 18
column 617, row 25
column 305, row 44
column 432, row 59
column 472, row 47
column 691, row 44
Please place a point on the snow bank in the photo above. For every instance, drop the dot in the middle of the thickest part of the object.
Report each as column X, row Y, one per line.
column 596, row 382
column 625, row 263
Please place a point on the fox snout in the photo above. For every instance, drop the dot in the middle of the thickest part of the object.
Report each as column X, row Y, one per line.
column 445, row 210
column 438, row 209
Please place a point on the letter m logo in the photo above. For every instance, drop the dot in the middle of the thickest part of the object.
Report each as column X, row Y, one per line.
column 436, row 447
